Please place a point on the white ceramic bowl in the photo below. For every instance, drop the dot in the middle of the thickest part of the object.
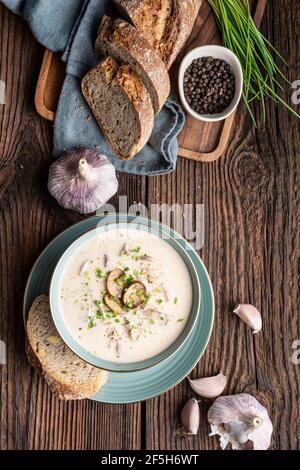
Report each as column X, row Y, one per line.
column 176, row 241
column 217, row 52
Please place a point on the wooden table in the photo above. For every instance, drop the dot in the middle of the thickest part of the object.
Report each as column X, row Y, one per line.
column 251, row 250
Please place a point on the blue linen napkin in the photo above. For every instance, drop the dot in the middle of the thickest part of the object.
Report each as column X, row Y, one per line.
column 70, row 26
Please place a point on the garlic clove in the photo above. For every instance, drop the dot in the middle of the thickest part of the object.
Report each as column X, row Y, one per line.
column 190, row 416
column 250, row 315
column 209, row 387
column 82, row 180
column 241, row 421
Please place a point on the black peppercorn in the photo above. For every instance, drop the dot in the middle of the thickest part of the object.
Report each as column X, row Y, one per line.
column 209, row 85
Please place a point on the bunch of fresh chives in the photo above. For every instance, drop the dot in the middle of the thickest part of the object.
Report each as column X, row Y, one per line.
column 241, row 35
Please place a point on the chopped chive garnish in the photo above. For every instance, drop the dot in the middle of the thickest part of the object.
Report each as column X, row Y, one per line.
column 159, row 301
column 175, row 300
column 129, row 279
column 91, row 323
column 180, row 320
column 99, row 273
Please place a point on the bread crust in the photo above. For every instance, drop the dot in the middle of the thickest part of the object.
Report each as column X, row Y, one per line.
column 118, row 35
column 63, row 389
column 179, row 19
column 130, row 84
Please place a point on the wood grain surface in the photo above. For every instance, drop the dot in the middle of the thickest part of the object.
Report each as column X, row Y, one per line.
column 251, row 250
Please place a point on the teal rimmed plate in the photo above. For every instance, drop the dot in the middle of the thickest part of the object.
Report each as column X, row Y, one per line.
column 140, row 385
column 107, row 225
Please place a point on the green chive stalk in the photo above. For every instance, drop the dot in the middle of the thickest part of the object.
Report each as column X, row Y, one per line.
column 254, row 51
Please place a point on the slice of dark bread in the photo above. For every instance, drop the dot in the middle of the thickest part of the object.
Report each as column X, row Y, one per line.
column 68, row 376
column 121, row 105
column 166, row 24
column 123, row 42
column 148, row 16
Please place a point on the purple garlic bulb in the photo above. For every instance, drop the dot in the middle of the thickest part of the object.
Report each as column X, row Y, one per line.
column 82, row 180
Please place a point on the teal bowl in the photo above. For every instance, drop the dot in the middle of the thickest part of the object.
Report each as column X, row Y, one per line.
column 172, row 238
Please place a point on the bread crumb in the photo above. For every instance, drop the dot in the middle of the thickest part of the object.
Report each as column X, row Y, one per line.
column 53, row 339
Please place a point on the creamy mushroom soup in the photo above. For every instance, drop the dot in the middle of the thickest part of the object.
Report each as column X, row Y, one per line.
column 126, row 295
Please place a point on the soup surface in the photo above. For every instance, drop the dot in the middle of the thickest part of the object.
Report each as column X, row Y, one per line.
column 126, row 295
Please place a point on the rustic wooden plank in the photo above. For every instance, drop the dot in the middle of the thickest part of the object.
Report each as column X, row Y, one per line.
column 251, row 249
column 30, row 417
column 278, row 147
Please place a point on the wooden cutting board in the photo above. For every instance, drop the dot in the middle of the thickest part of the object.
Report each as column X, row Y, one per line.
column 200, row 141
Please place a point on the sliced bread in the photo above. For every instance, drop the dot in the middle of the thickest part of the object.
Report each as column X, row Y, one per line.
column 123, row 42
column 121, row 105
column 148, row 16
column 68, row 376
column 167, row 24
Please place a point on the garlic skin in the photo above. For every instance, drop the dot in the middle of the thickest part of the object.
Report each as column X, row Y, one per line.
column 82, row 180
column 241, row 421
column 190, row 416
column 209, row 387
column 250, row 315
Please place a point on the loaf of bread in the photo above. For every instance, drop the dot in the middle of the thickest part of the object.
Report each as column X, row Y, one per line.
column 68, row 376
column 122, row 106
column 166, row 24
column 123, row 42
